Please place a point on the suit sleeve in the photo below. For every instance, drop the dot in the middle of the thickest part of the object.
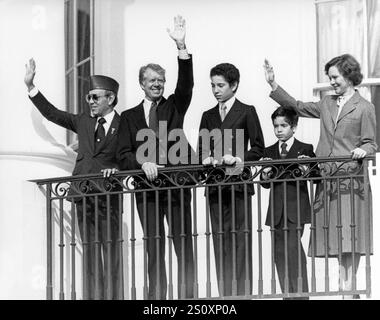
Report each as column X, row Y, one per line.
column 256, row 138
column 59, row 117
column 185, row 83
column 368, row 130
column 203, row 141
column 125, row 152
column 305, row 109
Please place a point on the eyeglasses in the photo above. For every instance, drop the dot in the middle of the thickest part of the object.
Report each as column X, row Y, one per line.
column 94, row 97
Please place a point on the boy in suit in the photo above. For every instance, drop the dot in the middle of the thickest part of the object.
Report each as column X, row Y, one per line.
column 97, row 136
column 240, row 139
column 285, row 218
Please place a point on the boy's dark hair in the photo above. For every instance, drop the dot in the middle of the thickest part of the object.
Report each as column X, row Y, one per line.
column 228, row 71
column 289, row 113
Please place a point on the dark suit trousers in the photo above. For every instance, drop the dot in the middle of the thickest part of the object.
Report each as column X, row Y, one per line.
column 97, row 250
column 292, row 259
column 154, row 232
column 233, row 255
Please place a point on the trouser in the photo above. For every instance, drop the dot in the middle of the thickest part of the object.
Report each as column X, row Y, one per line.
column 102, row 258
column 179, row 223
column 292, row 256
column 232, row 244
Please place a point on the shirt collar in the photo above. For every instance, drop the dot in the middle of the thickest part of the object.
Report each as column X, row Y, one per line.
column 109, row 117
column 147, row 104
column 344, row 99
column 288, row 142
column 229, row 103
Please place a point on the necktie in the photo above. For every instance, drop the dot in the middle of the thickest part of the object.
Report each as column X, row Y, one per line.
column 100, row 133
column 153, row 119
column 223, row 112
column 283, row 150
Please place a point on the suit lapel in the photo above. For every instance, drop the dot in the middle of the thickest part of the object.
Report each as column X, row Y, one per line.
column 161, row 110
column 349, row 106
column 273, row 151
column 234, row 114
column 294, row 150
column 333, row 108
column 215, row 117
column 111, row 133
column 140, row 117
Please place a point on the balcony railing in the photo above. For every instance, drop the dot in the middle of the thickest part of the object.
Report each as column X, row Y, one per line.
column 222, row 247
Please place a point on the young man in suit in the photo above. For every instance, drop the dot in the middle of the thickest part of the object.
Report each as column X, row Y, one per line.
column 283, row 217
column 146, row 120
column 240, row 139
column 97, row 134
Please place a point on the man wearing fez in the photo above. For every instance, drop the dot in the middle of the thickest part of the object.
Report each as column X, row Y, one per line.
column 97, row 136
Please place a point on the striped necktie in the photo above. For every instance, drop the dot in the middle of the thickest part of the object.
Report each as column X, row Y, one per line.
column 283, row 153
column 153, row 119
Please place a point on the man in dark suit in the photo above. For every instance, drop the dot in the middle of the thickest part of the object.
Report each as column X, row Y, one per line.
column 284, row 218
column 240, row 139
column 97, row 136
column 156, row 118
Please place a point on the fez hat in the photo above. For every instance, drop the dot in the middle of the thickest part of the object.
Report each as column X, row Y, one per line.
column 103, row 82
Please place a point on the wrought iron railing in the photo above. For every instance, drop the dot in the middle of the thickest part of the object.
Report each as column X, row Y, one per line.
column 114, row 204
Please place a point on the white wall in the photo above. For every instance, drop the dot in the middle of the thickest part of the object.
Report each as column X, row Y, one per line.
column 30, row 147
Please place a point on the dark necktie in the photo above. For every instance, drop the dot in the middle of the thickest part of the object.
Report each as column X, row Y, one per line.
column 283, row 150
column 153, row 119
column 100, row 133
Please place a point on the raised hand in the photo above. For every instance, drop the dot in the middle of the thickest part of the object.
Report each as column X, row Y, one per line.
column 30, row 72
column 178, row 33
column 269, row 74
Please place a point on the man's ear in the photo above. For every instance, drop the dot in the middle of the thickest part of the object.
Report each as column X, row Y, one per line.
column 111, row 99
column 294, row 128
column 234, row 86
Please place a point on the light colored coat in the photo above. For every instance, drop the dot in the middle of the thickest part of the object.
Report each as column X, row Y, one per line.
column 356, row 127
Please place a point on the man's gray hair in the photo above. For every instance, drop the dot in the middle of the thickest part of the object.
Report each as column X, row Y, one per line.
column 152, row 66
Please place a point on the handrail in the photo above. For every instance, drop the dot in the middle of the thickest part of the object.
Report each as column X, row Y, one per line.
column 197, row 167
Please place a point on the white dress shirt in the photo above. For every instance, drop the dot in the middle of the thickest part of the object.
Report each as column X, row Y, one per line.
column 108, row 117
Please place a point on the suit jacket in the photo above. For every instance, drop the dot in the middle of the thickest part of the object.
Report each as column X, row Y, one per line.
column 298, row 148
column 172, row 110
column 240, row 127
column 88, row 160
column 356, row 125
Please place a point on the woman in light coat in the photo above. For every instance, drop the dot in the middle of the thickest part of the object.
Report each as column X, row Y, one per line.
column 347, row 127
